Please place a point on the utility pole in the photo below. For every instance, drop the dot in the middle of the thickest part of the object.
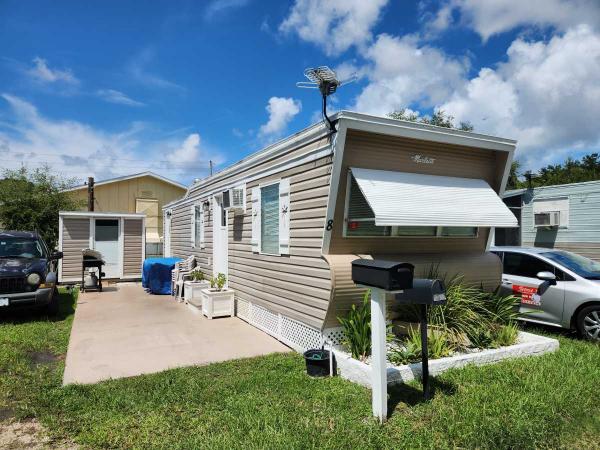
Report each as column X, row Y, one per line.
column 90, row 190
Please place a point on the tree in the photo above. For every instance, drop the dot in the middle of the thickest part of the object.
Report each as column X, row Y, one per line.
column 439, row 118
column 571, row 171
column 31, row 200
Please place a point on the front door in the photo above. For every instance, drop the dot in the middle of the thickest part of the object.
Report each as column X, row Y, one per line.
column 220, row 237
column 520, row 279
column 106, row 241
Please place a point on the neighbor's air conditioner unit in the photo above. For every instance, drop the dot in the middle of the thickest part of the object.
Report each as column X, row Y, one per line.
column 236, row 198
column 547, row 219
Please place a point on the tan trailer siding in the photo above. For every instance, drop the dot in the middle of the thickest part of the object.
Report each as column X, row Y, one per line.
column 296, row 285
column 478, row 269
column 455, row 256
column 373, row 151
column 76, row 237
column 132, row 247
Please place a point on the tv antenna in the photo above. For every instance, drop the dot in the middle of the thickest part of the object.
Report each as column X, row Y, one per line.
column 326, row 80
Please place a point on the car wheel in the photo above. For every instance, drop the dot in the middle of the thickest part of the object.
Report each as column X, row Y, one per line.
column 588, row 322
column 53, row 306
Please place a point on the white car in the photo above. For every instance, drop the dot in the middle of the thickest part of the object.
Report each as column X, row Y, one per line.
column 569, row 294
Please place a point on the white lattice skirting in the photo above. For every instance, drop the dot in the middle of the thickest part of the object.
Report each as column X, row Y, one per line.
column 295, row 334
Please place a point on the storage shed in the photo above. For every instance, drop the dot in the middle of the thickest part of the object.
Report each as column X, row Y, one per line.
column 120, row 237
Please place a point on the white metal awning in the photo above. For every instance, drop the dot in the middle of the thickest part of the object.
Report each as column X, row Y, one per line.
column 413, row 199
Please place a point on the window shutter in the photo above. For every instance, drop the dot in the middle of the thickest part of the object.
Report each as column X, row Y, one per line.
column 193, row 226
column 284, row 216
column 202, row 218
column 256, row 219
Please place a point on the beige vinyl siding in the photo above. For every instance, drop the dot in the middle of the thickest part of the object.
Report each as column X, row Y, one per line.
column 373, row 151
column 132, row 247
column 296, row 285
column 455, row 256
column 477, row 269
column 76, row 237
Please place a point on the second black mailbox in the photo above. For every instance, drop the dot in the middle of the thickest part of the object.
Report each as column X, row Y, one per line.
column 387, row 275
column 424, row 292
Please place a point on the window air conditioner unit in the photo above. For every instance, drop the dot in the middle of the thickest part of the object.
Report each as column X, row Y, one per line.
column 547, row 219
column 236, row 198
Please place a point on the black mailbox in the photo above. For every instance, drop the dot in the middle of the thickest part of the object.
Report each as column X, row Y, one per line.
column 387, row 275
column 424, row 292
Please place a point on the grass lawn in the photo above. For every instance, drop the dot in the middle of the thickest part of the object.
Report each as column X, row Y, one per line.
column 548, row 401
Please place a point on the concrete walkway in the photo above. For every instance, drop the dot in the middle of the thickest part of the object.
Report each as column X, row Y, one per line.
column 124, row 331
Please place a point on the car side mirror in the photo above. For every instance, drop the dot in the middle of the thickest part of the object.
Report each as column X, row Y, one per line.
column 56, row 255
column 547, row 276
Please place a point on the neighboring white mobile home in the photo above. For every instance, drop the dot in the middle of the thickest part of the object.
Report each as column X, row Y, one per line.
column 120, row 237
column 285, row 223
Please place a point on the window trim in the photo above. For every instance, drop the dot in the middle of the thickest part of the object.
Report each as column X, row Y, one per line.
column 261, row 186
column 438, row 231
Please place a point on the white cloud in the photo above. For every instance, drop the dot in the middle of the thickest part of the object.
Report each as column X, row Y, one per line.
column 492, row 17
column 44, row 74
column 189, row 151
column 334, row 25
column 118, row 97
column 76, row 149
column 281, row 111
column 403, row 72
column 216, row 7
column 546, row 95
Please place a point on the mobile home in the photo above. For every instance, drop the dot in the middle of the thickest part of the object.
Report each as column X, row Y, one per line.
column 120, row 237
column 565, row 217
column 285, row 223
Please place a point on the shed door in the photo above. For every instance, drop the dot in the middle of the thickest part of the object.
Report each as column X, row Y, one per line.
column 106, row 241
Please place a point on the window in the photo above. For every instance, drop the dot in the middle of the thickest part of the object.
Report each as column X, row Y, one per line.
column 269, row 219
column 21, row 248
column 523, row 265
column 361, row 222
column 197, row 224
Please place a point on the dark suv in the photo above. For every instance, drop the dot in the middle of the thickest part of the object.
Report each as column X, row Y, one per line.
column 28, row 272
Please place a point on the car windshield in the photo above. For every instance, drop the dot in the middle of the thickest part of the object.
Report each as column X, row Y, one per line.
column 582, row 266
column 20, row 247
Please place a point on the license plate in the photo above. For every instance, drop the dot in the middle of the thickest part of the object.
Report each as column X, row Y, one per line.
column 3, row 302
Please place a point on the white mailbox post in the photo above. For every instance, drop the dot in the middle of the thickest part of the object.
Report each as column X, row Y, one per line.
column 382, row 277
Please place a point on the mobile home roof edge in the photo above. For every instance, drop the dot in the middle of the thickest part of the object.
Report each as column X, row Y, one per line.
column 129, row 177
column 365, row 122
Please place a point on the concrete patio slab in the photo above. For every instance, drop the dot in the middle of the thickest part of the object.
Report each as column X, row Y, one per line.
column 125, row 331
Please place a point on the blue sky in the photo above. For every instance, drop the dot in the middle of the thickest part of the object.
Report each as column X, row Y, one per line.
column 116, row 87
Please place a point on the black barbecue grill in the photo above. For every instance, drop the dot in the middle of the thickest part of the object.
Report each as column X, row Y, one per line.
column 91, row 259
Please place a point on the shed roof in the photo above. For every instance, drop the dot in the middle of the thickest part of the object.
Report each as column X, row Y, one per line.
column 129, row 177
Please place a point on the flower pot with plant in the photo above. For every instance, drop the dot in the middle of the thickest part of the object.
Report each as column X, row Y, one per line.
column 218, row 301
column 193, row 288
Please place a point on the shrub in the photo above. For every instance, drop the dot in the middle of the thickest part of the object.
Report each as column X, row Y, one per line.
column 218, row 282
column 408, row 350
column 197, row 275
column 506, row 335
column 356, row 327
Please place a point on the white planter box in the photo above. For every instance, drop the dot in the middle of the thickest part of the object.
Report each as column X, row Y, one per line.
column 217, row 303
column 192, row 292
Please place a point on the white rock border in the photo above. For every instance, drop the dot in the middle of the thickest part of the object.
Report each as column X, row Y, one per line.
column 528, row 345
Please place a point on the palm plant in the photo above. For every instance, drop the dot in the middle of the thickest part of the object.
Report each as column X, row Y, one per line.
column 356, row 327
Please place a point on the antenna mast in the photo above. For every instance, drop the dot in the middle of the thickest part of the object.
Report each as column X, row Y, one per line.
column 324, row 79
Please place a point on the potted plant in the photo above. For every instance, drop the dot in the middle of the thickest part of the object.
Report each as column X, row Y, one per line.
column 193, row 287
column 217, row 301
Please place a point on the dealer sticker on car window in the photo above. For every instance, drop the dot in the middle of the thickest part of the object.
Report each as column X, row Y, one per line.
column 3, row 302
